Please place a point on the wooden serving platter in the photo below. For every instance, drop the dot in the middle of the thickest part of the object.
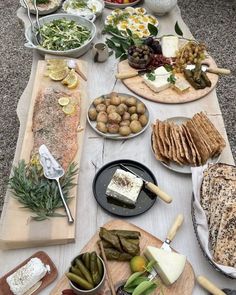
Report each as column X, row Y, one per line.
column 120, row 271
column 169, row 95
column 17, row 229
column 48, row 279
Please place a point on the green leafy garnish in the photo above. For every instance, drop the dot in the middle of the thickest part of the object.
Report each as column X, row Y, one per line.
column 168, row 67
column 171, row 79
column 178, row 30
column 152, row 29
column 151, row 76
column 38, row 193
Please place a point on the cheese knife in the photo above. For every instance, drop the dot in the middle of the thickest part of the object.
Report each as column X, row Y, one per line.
column 131, row 73
column 151, row 186
column 211, row 287
column 172, row 232
column 206, row 68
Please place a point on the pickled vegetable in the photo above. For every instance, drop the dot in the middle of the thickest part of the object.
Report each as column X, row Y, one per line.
column 79, row 281
column 84, row 270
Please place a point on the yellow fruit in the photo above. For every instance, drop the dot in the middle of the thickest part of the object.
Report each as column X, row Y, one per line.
column 138, row 263
column 71, row 80
column 64, row 100
column 59, row 75
column 69, row 109
column 56, row 62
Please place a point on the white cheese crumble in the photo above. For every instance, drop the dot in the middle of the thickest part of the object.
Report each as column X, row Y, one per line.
column 27, row 276
column 124, row 186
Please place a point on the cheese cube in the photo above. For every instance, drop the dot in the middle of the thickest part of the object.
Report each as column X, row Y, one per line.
column 161, row 80
column 169, row 265
column 124, row 186
column 27, row 276
column 181, row 85
column 169, row 45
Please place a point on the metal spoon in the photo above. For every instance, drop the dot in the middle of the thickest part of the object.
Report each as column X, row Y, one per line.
column 53, row 170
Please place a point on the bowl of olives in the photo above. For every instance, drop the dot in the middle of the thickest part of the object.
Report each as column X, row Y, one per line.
column 118, row 116
column 139, row 56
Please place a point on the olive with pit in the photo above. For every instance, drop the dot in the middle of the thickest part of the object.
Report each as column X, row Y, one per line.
column 115, row 99
column 140, row 108
column 113, row 128
column 135, row 126
column 98, row 101
column 102, row 117
column 101, row 127
column 124, row 130
column 131, row 101
column 134, row 117
column 125, row 123
column 143, row 120
column 101, row 107
column 114, row 118
column 132, row 110
column 111, row 109
column 126, row 116
column 92, row 114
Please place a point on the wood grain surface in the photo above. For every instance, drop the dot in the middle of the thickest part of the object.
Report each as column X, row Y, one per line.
column 120, row 271
column 169, row 95
column 46, row 280
column 17, row 229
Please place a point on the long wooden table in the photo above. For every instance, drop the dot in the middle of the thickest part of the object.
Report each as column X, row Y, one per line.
column 97, row 151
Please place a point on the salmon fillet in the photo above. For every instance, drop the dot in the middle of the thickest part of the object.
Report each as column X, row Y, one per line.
column 52, row 127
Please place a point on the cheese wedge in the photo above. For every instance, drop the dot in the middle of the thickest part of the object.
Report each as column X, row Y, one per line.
column 169, row 265
column 169, row 45
column 160, row 81
column 181, row 85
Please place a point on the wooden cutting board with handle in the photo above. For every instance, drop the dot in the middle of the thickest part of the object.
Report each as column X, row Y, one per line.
column 120, row 271
column 169, row 95
column 17, row 229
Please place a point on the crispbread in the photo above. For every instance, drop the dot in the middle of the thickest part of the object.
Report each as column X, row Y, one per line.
column 156, row 147
column 174, row 146
column 186, row 147
column 225, row 250
column 161, row 132
column 196, row 159
column 167, row 135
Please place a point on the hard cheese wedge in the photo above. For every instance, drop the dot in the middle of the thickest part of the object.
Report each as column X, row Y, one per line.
column 169, row 45
column 169, row 265
column 158, row 80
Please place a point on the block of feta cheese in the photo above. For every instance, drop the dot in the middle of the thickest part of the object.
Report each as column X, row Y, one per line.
column 169, row 45
column 124, row 186
column 158, row 80
column 169, row 265
column 27, row 276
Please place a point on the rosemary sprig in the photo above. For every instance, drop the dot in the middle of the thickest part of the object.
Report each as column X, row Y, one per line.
column 37, row 193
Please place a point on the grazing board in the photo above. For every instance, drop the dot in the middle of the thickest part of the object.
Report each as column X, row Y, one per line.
column 136, row 85
column 17, row 229
column 120, row 271
column 46, row 280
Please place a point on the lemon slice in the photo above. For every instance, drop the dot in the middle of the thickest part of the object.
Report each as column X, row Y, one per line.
column 64, row 100
column 56, row 62
column 59, row 75
column 69, row 109
column 71, row 80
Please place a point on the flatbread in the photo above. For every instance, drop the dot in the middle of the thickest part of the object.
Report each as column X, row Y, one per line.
column 225, row 250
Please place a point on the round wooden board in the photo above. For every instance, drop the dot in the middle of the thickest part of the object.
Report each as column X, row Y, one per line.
column 169, row 95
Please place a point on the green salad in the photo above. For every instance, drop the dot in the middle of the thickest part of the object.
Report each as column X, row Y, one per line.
column 63, row 34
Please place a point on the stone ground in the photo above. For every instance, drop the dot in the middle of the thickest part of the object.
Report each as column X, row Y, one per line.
column 213, row 22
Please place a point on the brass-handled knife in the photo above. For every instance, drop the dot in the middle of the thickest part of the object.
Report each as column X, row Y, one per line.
column 209, row 286
column 151, row 186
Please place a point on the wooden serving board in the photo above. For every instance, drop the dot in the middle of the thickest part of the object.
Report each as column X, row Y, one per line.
column 169, row 95
column 17, row 229
column 46, row 280
column 120, row 271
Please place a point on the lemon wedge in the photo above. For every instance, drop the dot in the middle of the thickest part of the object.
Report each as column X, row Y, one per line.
column 56, row 62
column 64, row 100
column 59, row 75
column 69, row 109
column 71, row 80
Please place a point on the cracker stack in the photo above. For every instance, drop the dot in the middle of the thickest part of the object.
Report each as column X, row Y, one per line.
column 191, row 143
column 218, row 199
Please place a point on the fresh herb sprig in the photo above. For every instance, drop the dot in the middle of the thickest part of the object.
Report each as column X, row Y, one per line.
column 37, row 193
column 171, row 79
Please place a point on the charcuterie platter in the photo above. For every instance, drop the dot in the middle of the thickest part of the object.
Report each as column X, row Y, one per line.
column 120, row 270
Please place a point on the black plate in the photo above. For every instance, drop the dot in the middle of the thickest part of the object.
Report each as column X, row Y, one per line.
column 145, row 200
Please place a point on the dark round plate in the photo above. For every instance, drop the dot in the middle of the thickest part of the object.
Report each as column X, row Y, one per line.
column 145, row 200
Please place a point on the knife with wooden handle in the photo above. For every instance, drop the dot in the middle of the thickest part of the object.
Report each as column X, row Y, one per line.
column 209, row 286
column 151, row 187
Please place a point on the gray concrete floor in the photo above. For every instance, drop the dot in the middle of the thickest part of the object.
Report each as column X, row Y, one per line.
column 213, row 22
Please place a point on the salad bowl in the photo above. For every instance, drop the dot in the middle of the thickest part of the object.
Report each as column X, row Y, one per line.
column 75, row 52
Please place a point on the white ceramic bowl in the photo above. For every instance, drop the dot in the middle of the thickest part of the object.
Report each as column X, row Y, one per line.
column 76, row 52
column 160, row 7
column 43, row 9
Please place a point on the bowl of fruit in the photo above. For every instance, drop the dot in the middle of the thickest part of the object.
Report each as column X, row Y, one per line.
column 113, row 4
column 87, row 273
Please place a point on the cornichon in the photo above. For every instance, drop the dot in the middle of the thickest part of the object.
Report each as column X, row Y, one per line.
column 80, row 281
column 86, row 259
column 94, row 268
column 84, row 270
column 76, row 271
column 100, row 268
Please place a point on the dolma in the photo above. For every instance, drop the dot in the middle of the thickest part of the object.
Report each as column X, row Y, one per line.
column 113, row 254
column 110, row 238
column 129, row 234
column 128, row 247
